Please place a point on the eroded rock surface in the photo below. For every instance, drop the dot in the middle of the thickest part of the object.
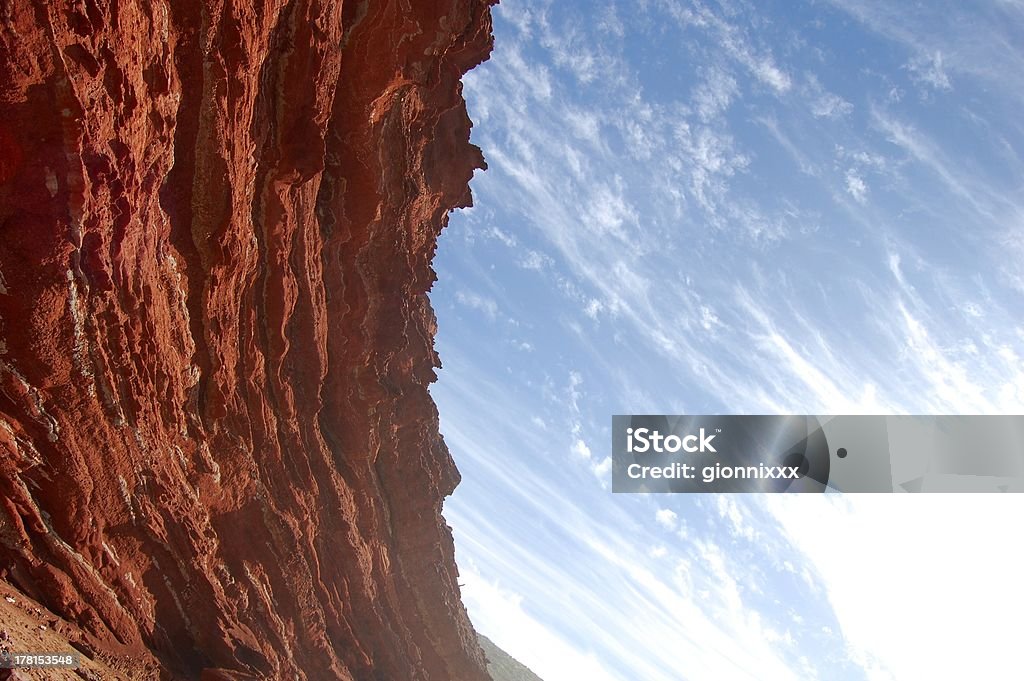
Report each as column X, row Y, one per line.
column 218, row 455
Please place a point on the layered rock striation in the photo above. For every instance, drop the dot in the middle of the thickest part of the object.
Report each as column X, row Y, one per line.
column 218, row 455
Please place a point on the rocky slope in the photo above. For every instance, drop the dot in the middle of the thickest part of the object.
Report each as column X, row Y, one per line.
column 218, row 455
column 502, row 666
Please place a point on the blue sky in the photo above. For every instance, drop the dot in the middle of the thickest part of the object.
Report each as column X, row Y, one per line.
column 734, row 208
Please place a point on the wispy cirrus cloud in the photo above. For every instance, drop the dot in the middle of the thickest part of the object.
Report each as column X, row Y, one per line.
column 928, row 70
column 981, row 42
column 696, row 208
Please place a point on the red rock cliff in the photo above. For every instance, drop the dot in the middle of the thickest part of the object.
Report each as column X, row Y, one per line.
column 218, row 454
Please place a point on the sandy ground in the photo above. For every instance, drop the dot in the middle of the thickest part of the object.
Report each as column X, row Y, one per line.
column 27, row 627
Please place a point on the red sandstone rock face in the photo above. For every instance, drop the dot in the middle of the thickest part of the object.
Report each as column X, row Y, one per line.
column 218, row 454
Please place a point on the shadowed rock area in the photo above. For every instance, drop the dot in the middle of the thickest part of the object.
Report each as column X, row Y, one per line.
column 218, row 455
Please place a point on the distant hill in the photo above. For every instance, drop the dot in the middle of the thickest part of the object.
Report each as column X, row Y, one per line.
column 502, row 666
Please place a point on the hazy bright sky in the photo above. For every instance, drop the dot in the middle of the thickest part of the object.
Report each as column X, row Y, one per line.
column 733, row 207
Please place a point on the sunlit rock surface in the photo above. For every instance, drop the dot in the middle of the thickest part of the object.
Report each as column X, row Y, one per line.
column 218, row 455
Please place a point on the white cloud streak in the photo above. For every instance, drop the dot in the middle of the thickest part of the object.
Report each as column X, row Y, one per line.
column 746, row 240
